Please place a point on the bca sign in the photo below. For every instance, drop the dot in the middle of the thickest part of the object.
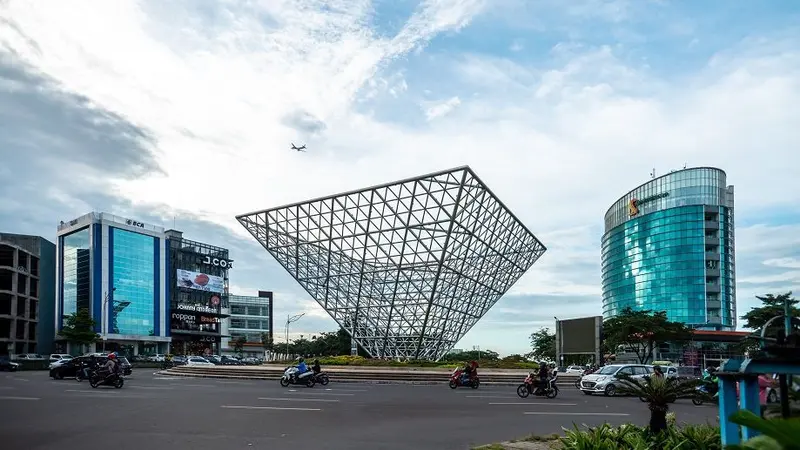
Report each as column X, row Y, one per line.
column 216, row 262
column 134, row 223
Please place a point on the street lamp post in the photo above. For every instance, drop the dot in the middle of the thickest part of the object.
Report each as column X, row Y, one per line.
column 289, row 320
column 560, row 339
column 103, row 318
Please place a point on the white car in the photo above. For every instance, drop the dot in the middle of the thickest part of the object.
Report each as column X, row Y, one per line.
column 606, row 380
column 198, row 361
column 575, row 370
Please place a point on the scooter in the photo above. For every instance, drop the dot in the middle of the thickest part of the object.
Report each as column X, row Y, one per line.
column 290, row 377
column 457, row 379
column 706, row 392
column 531, row 386
column 99, row 379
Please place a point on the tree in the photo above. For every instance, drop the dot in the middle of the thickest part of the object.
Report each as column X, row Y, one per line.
column 641, row 331
column 658, row 392
column 238, row 344
column 543, row 344
column 771, row 306
column 79, row 328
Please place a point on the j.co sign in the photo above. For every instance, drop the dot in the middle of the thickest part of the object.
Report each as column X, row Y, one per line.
column 217, row 262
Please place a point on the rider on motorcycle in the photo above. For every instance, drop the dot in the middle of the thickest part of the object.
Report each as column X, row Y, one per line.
column 301, row 367
column 544, row 375
column 316, row 367
column 468, row 371
column 111, row 366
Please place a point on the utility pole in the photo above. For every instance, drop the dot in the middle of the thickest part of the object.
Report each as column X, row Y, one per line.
column 103, row 318
column 289, row 320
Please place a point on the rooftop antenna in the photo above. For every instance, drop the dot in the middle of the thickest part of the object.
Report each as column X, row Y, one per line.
column 653, row 173
column 684, row 165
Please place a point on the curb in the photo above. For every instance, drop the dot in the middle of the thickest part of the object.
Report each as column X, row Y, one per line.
column 335, row 380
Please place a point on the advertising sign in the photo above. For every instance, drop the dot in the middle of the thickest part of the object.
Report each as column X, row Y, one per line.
column 200, row 281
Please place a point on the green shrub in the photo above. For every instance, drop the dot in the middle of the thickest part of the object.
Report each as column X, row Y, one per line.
column 632, row 437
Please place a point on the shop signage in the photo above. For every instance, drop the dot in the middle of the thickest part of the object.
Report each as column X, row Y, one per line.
column 208, row 339
column 196, row 308
column 134, row 223
column 206, row 319
column 217, row 262
column 183, row 317
column 634, row 204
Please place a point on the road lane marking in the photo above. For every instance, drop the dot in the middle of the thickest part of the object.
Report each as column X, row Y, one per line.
column 270, row 408
column 492, row 396
column 347, row 390
column 194, row 385
column 539, row 413
column 7, row 387
column 234, row 382
column 533, row 403
column 160, row 388
column 324, row 393
column 286, row 399
column 18, row 398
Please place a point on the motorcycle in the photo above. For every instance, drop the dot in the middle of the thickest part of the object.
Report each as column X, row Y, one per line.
column 322, row 378
column 99, row 379
column 531, row 385
column 457, row 379
column 706, row 392
column 290, row 377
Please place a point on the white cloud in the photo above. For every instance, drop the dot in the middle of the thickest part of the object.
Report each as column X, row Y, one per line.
column 438, row 110
column 558, row 139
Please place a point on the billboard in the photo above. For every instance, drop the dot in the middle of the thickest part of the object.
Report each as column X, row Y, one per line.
column 200, row 281
column 581, row 336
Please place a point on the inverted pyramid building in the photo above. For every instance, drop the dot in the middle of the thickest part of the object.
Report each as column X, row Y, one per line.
column 407, row 267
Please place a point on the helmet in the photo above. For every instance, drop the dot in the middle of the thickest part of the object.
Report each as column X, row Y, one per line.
column 111, row 356
column 300, row 359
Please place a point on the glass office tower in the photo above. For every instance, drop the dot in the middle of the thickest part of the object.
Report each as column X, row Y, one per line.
column 115, row 268
column 669, row 246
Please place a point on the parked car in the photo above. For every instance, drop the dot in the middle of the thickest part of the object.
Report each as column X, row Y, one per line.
column 7, row 364
column 29, row 357
column 606, row 380
column 198, row 361
column 575, row 370
column 59, row 357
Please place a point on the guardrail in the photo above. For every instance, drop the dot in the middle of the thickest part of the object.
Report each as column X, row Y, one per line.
column 352, row 374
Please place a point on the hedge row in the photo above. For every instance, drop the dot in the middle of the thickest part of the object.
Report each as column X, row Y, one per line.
column 348, row 360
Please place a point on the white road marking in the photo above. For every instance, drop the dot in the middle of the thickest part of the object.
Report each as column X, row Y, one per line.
column 543, row 403
column 194, row 385
column 160, row 388
column 234, row 382
column 347, row 390
column 270, row 408
column 492, row 396
column 538, row 413
column 7, row 387
column 19, row 398
column 286, row 399
column 325, row 393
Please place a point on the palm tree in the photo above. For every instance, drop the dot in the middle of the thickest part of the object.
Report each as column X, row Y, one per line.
column 658, row 392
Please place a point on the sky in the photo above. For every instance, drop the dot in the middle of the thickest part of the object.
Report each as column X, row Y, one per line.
column 181, row 113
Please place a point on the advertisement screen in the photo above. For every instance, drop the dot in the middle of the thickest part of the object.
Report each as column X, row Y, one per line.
column 200, row 281
column 580, row 335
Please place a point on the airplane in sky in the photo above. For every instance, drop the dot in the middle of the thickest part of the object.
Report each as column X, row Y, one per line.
column 299, row 149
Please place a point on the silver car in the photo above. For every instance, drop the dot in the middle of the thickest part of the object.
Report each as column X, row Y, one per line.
column 606, row 380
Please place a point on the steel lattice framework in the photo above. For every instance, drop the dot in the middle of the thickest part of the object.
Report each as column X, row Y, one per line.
column 407, row 267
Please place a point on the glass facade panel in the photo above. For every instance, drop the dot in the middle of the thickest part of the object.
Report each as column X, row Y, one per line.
column 673, row 251
column 133, row 274
column 76, row 283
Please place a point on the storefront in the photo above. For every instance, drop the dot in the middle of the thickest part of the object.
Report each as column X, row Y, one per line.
column 196, row 328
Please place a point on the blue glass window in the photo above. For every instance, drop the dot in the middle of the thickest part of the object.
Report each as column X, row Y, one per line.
column 76, row 283
column 133, row 274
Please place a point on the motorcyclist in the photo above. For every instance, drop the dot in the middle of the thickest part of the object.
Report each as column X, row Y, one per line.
column 544, row 375
column 110, row 367
column 301, row 367
column 469, row 371
column 316, row 367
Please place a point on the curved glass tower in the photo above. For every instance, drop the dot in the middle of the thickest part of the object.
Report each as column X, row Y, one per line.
column 668, row 246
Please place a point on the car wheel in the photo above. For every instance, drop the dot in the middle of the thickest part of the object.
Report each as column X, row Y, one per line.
column 610, row 390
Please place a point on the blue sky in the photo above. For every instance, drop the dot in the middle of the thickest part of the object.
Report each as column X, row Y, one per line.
column 185, row 110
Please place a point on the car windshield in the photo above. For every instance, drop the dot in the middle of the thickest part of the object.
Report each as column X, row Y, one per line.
column 608, row 370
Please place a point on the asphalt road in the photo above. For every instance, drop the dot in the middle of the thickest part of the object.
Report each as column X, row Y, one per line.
column 154, row 413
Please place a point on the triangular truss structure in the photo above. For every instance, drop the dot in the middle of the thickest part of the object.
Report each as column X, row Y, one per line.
column 408, row 267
